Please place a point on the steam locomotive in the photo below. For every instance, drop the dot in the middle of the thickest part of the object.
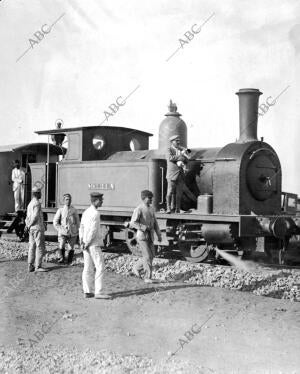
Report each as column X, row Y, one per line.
column 243, row 181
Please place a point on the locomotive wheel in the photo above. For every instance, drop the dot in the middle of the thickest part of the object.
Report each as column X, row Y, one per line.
column 195, row 253
column 132, row 243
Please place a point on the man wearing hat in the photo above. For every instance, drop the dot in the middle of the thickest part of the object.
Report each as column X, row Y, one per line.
column 18, row 179
column 144, row 220
column 35, row 224
column 176, row 156
column 66, row 222
column 91, row 241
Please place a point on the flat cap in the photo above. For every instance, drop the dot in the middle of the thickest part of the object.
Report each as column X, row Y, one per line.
column 96, row 194
column 174, row 137
column 36, row 189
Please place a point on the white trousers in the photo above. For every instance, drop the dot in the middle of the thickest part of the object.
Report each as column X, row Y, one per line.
column 19, row 197
column 92, row 282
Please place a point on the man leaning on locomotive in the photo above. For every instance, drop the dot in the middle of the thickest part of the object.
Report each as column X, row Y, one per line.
column 177, row 159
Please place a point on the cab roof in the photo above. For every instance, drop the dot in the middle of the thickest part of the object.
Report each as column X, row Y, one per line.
column 83, row 128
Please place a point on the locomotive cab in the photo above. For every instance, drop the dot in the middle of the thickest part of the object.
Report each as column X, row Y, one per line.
column 99, row 142
column 87, row 148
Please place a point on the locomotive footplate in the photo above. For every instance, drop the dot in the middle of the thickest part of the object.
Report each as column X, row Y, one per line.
column 193, row 216
column 249, row 225
column 278, row 226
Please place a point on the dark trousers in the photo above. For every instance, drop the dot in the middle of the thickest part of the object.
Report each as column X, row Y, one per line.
column 174, row 193
column 176, row 188
column 63, row 240
column 145, row 263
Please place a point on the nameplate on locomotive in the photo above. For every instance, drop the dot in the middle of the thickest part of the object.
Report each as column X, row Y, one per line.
column 101, row 186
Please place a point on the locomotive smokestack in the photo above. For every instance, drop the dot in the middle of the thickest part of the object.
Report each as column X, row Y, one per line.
column 248, row 109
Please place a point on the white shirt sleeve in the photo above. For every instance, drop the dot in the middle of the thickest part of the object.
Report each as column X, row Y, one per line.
column 94, row 226
column 56, row 220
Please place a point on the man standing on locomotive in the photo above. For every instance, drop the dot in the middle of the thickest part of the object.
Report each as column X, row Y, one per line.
column 35, row 224
column 176, row 158
column 144, row 220
column 66, row 222
column 91, row 241
column 18, row 179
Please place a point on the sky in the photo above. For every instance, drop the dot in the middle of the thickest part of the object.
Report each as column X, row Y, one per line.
column 98, row 51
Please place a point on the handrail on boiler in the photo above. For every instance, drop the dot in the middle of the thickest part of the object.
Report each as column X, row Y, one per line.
column 162, row 185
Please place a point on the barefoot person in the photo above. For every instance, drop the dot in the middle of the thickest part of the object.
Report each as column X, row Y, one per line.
column 35, row 224
column 66, row 222
column 144, row 220
column 91, row 241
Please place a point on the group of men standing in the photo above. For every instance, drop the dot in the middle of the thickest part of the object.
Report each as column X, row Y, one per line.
column 68, row 225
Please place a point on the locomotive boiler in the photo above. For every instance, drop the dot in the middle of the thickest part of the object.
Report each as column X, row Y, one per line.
column 243, row 181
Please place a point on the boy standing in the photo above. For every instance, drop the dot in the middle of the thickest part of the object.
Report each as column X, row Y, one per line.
column 66, row 222
column 144, row 220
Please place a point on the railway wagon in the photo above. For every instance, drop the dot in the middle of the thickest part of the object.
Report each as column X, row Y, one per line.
column 243, row 180
column 28, row 154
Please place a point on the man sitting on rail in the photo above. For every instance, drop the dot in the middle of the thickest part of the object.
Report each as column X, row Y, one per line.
column 66, row 222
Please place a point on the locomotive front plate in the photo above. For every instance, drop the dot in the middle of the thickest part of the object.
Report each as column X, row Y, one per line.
column 262, row 174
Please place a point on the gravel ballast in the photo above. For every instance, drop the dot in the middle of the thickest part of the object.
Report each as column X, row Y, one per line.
column 259, row 280
column 51, row 360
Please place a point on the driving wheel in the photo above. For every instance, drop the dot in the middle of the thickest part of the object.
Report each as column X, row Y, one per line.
column 194, row 252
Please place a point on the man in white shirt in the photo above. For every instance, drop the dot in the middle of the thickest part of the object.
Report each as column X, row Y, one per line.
column 18, row 179
column 91, row 241
column 35, row 224
column 66, row 222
